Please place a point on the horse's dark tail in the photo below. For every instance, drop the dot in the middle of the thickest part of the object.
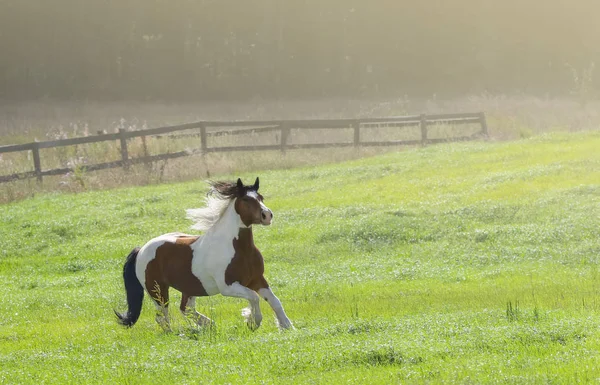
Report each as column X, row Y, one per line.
column 134, row 290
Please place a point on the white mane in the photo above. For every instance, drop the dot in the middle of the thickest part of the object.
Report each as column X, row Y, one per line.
column 206, row 217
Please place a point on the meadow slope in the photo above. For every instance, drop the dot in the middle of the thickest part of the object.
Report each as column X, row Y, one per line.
column 458, row 263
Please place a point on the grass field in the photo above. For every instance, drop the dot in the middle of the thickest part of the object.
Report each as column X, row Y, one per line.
column 459, row 263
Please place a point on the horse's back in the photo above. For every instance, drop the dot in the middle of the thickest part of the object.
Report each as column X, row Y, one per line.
column 148, row 250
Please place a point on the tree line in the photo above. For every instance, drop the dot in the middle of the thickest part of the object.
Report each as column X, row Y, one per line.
column 232, row 49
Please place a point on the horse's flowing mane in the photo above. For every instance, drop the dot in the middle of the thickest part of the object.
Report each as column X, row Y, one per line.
column 217, row 200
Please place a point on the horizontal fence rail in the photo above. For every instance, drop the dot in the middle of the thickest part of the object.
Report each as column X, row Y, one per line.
column 224, row 128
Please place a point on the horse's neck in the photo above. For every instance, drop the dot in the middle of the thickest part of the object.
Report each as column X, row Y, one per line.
column 230, row 224
column 246, row 238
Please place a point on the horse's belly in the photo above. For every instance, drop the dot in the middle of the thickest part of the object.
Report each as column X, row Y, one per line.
column 208, row 277
column 210, row 286
column 189, row 284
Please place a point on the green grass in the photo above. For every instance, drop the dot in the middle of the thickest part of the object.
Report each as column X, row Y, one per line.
column 459, row 263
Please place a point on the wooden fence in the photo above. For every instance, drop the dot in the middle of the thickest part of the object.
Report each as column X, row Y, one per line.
column 207, row 129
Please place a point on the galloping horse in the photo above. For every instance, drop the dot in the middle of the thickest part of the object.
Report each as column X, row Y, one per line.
column 223, row 260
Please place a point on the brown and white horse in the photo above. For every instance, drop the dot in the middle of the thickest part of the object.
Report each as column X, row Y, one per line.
column 223, row 260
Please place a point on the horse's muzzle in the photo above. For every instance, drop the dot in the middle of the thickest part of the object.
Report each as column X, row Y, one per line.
column 266, row 216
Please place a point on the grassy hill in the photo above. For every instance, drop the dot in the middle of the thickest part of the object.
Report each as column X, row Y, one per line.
column 458, row 263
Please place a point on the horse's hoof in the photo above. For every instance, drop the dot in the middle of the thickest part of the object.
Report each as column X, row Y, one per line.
column 252, row 325
column 285, row 325
column 204, row 321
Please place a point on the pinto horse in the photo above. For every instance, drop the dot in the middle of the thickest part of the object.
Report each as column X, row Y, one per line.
column 223, row 260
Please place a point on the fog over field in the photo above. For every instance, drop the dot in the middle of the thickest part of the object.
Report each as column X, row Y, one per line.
column 234, row 50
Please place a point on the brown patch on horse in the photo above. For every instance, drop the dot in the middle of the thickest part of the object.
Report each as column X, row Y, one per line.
column 172, row 266
column 247, row 266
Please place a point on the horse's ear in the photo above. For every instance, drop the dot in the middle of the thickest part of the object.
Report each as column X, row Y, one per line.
column 255, row 187
column 240, row 185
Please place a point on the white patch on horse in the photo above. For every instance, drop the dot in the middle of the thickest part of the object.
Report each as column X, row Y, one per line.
column 252, row 194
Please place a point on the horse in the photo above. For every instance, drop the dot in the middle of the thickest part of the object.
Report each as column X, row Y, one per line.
column 223, row 260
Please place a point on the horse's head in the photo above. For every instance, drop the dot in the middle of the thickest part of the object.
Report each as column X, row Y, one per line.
column 250, row 206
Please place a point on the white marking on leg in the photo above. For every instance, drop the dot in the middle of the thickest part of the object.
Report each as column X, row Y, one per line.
column 283, row 322
column 253, row 315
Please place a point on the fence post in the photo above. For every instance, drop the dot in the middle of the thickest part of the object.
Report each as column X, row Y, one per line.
column 484, row 127
column 203, row 144
column 423, row 129
column 145, row 146
column 356, row 126
column 37, row 164
column 124, row 152
column 285, row 131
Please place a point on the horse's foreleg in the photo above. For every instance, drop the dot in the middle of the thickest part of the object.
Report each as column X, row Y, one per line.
column 282, row 320
column 252, row 314
column 188, row 309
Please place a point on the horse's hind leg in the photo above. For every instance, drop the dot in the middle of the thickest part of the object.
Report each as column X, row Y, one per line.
column 160, row 296
column 188, row 309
